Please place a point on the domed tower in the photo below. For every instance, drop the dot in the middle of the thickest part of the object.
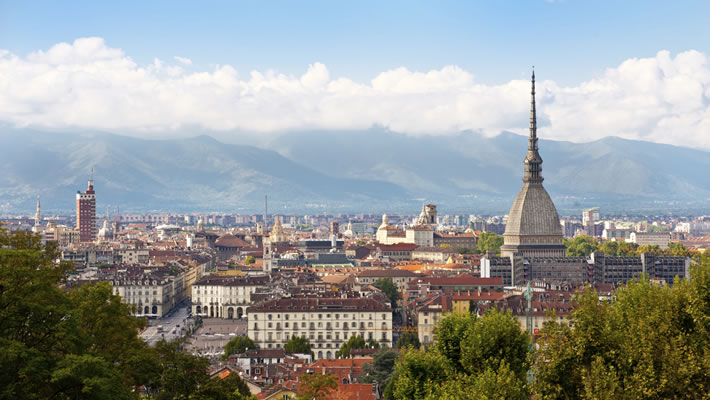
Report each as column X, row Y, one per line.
column 533, row 228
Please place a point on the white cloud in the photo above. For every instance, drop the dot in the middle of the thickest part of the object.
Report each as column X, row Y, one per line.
column 183, row 60
column 87, row 84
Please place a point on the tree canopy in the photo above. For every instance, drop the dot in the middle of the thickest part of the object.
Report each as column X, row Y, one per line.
column 298, row 344
column 408, row 339
column 581, row 246
column 389, row 289
column 489, row 241
column 81, row 342
column 316, row 386
column 381, row 368
column 355, row 342
column 472, row 358
column 238, row 345
column 653, row 341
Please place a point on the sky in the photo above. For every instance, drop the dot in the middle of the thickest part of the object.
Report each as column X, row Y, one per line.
column 635, row 69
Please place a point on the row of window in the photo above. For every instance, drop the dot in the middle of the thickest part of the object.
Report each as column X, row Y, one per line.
column 320, row 325
column 320, row 316
column 320, row 339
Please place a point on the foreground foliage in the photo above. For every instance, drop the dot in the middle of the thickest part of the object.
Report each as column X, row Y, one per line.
column 651, row 342
column 473, row 358
column 83, row 343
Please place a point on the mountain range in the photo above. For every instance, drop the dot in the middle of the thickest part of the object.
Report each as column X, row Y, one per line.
column 365, row 171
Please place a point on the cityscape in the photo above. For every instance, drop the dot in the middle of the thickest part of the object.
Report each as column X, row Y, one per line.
column 217, row 257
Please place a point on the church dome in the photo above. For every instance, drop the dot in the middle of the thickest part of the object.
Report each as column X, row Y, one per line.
column 533, row 213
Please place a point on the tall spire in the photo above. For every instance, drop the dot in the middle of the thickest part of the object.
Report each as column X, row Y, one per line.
column 532, row 141
column 533, row 161
column 38, row 215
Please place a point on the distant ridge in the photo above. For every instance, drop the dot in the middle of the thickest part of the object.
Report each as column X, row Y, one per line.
column 366, row 171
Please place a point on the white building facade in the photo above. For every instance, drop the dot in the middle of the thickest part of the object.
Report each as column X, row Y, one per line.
column 215, row 296
column 326, row 322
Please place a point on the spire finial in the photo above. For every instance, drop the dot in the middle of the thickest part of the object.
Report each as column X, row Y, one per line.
column 533, row 115
column 533, row 161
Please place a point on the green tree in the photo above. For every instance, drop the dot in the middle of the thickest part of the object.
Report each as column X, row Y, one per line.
column 381, row 368
column 500, row 383
column 355, row 342
column 408, row 339
column 466, row 250
column 581, row 246
column 627, row 249
column 449, row 333
column 316, row 386
column 298, row 344
column 493, row 340
column 64, row 342
column 609, row 248
column 249, row 260
column 49, row 346
column 651, row 342
column 389, row 289
column 652, row 249
column 230, row 388
column 420, row 375
column 181, row 374
column 472, row 358
column 489, row 241
column 238, row 345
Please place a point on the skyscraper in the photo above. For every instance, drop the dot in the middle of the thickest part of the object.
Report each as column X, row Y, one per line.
column 533, row 227
column 86, row 213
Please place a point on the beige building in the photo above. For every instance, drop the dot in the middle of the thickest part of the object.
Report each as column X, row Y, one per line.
column 153, row 294
column 326, row 322
column 399, row 277
column 428, row 314
column 421, row 235
column 660, row 239
column 132, row 256
column 219, row 296
column 63, row 235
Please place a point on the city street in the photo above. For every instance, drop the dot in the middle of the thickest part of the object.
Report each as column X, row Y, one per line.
column 173, row 326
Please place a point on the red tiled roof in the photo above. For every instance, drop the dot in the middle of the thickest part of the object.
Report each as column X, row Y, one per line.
column 229, row 240
column 397, row 247
column 321, row 304
column 386, row 273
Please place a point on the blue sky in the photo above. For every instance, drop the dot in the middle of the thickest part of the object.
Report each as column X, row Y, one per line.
column 633, row 69
column 569, row 41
